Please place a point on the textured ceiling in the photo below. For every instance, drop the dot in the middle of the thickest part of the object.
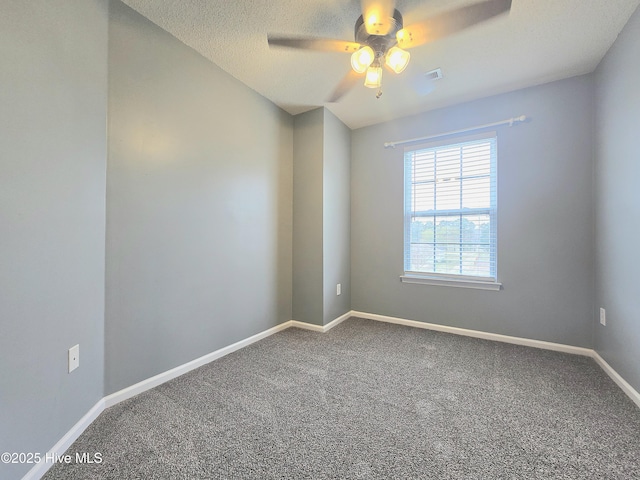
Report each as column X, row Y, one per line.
column 537, row 42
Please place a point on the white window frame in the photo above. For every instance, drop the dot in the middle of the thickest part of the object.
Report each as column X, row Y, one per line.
column 448, row 279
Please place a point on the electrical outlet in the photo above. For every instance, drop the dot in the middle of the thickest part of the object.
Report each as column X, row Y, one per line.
column 74, row 358
column 339, row 289
column 603, row 316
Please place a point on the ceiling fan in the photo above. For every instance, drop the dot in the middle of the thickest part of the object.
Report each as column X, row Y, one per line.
column 382, row 39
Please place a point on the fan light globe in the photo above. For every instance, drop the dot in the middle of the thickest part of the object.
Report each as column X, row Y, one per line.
column 361, row 59
column 374, row 77
column 397, row 59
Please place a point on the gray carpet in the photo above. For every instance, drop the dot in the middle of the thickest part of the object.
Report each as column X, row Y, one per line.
column 371, row 400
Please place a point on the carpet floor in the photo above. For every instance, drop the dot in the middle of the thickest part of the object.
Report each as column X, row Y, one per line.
column 371, row 400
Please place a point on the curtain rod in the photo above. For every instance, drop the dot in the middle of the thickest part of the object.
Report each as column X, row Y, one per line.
column 511, row 122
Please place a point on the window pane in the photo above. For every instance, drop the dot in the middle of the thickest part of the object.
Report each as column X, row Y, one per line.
column 476, row 229
column 422, row 257
column 447, row 164
column 476, row 260
column 447, row 259
column 476, row 159
column 448, row 229
column 476, row 193
column 448, row 194
column 475, row 167
column 422, row 230
column 423, row 197
column 423, row 165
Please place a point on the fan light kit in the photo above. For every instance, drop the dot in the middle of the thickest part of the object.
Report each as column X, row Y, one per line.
column 382, row 39
column 379, row 39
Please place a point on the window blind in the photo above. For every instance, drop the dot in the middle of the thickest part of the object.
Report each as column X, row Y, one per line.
column 451, row 208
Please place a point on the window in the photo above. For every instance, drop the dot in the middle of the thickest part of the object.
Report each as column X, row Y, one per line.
column 450, row 212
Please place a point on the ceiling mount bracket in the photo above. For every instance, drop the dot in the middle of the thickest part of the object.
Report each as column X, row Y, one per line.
column 379, row 43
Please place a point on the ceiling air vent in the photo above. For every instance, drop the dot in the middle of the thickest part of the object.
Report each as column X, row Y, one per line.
column 434, row 74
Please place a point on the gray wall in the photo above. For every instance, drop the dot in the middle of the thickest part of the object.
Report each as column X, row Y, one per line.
column 53, row 88
column 321, row 217
column 618, row 204
column 199, row 212
column 307, row 216
column 336, row 214
column 199, row 205
column 545, row 219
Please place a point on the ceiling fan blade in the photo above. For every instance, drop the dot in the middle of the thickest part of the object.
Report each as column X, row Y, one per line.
column 450, row 22
column 346, row 84
column 311, row 43
column 378, row 15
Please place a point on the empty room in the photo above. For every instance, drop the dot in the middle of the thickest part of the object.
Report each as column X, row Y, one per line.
column 319, row 239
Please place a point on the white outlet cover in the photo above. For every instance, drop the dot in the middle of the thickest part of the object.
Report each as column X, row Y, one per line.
column 338, row 289
column 603, row 316
column 74, row 357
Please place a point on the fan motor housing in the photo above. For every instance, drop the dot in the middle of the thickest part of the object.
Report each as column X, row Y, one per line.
column 379, row 43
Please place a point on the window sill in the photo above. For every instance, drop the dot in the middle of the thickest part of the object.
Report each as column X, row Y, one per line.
column 452, row 282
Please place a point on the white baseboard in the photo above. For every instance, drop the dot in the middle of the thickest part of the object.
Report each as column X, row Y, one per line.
column 163, row 377
column 306, row 326
column 320, row 328
column 558, row 347
column 631, row 392
column 65, row 442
